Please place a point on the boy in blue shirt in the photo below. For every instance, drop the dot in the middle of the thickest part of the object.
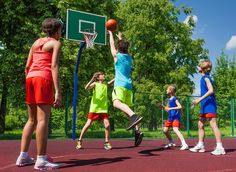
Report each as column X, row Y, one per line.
column 122, row 94
column 208, row 109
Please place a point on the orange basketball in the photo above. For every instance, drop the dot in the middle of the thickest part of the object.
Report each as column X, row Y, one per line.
column 111, row 25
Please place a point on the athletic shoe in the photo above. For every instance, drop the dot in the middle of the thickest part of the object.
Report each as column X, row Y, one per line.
column 46, row 164
column 138, row 138
column 23, row 161
column 184, row 147
column 79, row 144
column 134, row 120
column 198, row 148
column 218, row 151
column 170, row 145
column 107, row 146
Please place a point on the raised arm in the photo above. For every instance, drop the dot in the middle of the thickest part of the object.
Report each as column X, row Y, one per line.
column 111, row 82
column 112, row 45
column 91, row 83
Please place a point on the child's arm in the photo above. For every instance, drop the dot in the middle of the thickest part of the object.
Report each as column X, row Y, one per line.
column 29, row 61
column 91, row 83
column 178, row 107
column 111, row 82
column 112, row 45
column 208, row 93
column 55, row 71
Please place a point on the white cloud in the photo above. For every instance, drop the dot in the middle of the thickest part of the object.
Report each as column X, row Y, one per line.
column 194, row 17
column 231, row 44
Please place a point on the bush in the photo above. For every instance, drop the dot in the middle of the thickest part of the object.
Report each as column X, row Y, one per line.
column 12, row 123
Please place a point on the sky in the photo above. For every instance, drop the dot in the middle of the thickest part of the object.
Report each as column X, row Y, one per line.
column 216, row 24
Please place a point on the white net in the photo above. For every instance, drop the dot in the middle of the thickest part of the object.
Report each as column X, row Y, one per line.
column 89, row 39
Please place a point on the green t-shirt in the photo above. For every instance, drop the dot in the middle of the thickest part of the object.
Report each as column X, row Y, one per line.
column 99, row 102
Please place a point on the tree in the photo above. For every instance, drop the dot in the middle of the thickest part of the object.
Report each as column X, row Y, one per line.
column 163, row 49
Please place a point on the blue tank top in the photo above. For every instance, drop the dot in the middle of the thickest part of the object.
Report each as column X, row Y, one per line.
column 123, row 71
column 208, row 105
column 173, row 114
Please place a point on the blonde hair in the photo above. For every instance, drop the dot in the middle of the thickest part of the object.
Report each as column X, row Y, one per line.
column 96, row 74
column 172, row 88
column 205, row 65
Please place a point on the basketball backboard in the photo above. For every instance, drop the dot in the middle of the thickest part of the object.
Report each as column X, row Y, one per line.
column 79, row 22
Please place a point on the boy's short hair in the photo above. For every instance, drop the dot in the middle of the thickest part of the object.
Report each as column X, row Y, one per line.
column 172, row 88
column 122, row 46
column 51, row 25
column 205, row 65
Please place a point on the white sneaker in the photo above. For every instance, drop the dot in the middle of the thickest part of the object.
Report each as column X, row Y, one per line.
column 46, row 164
column 198, row 148
column 218, row 151
column 169, row 145
column 23, row 161
column 184, row 147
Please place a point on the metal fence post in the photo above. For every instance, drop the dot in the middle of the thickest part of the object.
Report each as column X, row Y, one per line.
column 188, row 117
column 66, row 114
column 232, row 115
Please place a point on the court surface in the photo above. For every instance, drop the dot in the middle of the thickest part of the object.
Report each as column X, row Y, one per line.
column 148, row 157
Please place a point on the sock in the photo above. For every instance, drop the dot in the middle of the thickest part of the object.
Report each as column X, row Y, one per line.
column 41, row 157
column 24, row 154
column 219, row 145
column 200, row 143
column 183, row 142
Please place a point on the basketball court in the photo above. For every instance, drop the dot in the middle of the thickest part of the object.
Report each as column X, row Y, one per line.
column 150, row 156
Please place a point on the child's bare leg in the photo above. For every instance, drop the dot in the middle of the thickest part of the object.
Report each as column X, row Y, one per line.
column 85, row 128
column 201, row 130
column 167, row 133
column 216, row 131
column 180, row 136
column 123, row 107
column 29, row 128
column 107, row 129
column 43, row 115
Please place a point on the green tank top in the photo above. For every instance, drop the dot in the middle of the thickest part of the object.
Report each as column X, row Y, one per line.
column 99, row 102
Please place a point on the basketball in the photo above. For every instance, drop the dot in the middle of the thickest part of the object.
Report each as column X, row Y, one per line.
column 111, row 25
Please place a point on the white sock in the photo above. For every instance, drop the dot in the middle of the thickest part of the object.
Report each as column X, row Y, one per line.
column 41, row 157
column 24, row 154
column 219, row 145
column 183, row 142
column 200, row 144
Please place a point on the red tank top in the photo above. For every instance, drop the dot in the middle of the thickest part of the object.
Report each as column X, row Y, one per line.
column 42, row 61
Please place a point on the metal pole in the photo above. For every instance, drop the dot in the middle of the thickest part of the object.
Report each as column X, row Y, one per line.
column 66, row 114
column 188, row 116
column 232, row 116
column 82, row 45
column 162, row 111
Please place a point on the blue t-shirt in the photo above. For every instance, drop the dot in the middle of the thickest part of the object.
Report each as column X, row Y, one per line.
column 173, row 114
column 123, row 71
column 208, row 105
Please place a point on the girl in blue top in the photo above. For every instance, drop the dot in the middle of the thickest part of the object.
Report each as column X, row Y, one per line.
column 173, row 108
column 208, row 109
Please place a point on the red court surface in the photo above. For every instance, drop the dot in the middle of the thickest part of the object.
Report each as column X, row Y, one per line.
column 149, row 157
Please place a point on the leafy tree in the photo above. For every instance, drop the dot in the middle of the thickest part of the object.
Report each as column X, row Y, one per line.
column 162, row 47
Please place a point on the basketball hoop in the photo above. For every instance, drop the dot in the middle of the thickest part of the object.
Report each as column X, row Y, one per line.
column 89, row 36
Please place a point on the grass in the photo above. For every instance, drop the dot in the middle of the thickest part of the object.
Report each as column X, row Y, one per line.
column 117, row 134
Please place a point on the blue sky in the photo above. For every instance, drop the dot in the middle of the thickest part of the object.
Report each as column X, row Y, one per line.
column 216, row 24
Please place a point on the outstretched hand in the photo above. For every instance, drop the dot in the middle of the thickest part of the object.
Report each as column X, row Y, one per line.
column 119, row 35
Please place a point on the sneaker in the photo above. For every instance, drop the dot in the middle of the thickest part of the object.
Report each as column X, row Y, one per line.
column 198, row 148
column 107, row 146
column 134, row 120
column 218, row 151
column 46, row 164
column 170, row 145
column 184, row 147
column 79, row 144
column 23, row 161
column 138, row 138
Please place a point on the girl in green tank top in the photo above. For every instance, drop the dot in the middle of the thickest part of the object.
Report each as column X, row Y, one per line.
column 98, row 107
